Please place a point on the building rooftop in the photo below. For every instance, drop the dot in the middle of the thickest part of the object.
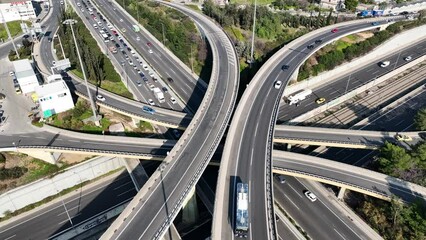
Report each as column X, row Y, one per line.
column 51, row 88
column 12, row 1
column 23, row 68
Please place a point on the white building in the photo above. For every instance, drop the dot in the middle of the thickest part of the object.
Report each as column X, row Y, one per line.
column 12, row 10
column 25, row 75
column 54, row 97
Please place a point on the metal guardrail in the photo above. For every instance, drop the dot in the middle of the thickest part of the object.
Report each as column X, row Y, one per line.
column 327, row 141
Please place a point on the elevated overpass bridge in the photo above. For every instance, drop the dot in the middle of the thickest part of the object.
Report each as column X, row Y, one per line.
column 344, row 138
column 314, row 168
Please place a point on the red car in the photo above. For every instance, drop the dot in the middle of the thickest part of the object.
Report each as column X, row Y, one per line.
column 114, row 32
column 335, row 30
column 149, row 44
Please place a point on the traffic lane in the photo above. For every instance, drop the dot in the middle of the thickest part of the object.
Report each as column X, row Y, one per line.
column 47, row 139
column 177, row 176
column 188, row 89
column 351, row 81
column 290, row 196
column 385, row 187
column 44, row 223
column 284, row 233
column 357, row 157
column 400, row 118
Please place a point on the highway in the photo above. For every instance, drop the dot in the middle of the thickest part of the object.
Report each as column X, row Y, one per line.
column 190, row 90
column 162, row 197
column 83, row 204
column 351, row 177
column 307, row 214
column 249, row 141
column 338, row 137
column 352, row 80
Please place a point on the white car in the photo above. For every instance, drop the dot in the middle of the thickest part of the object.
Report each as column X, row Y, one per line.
column 11, row 73
column 62, row 2
column 173, row 100
column 100, row 98
column 408, row 58
column 278, row 84
column 150, row 51
column 310, row 196
column 82, row 9
column 133, row 53
column 151, row 74
column 79, row 4
column 53, row 63
column 99, row 23
column 384, row 64
column 130, row 62
column 121, row 20
column 151, row 87
column 151, row 102
column 95, row 25
column 138, row 39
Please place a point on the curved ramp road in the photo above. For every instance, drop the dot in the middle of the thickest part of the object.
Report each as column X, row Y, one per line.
column 247, row 152
column 152, row 211
column 344, row 175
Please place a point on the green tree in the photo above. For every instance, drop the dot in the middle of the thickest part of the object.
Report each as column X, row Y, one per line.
column 420, row 119
column 351, row 4
column 394, row 159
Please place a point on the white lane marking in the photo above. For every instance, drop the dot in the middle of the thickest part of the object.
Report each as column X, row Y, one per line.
column 251, row 159
column 69, row 210
column 403, row 130
column 375, row 72
column 292, row 202
column 122, row 185
column 10, row 237
column 399, row 123
column 339, row 234
column 121, row 194
column 73, row 140
column 297, row 192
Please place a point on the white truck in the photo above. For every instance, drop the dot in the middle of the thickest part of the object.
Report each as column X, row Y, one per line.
column 293, row 99
column 159, row 94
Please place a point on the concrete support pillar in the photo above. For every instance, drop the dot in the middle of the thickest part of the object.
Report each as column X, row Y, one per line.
column 49, row 157
column 288, row 147
column 190, row 208
column 293, row 77
column 341, row 193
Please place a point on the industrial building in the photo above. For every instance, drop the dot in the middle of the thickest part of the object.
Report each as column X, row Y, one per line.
column 25, row 75
column 54, row 97
column 12, row 10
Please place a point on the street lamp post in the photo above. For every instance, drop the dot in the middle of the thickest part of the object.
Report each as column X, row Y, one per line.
column 60, row 44
column 8, row 34
column 92, row 104
column 164, row 41
column 252, row 37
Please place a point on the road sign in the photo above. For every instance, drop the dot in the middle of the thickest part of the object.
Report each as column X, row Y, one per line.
column 63, row 64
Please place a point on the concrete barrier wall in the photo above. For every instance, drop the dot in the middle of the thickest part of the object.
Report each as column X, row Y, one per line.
column 406, row 38
column 39, row 190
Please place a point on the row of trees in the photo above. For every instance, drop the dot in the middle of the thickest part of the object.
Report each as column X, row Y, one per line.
column 24, row 51
column 180, row 33
column 269, row 25
column 409, row 165
column 333, row 58
column 394, row 220
column 97, row 65
column 420, row 120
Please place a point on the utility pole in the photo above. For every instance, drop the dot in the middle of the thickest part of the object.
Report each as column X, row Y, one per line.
column 8, row 34
column 252, row 37
column 62, row 48
column 164, row 41
column 89, row 94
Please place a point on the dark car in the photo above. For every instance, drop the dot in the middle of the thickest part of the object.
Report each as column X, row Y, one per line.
column 38, row 20
column 165, row 89
column 170, row 79
column 285, row 67
column 318, row 41
column 423, row 135
column 141, row 74
column 310, row 46
column 49, row 39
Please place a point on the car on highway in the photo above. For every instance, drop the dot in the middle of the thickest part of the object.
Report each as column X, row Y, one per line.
column 11, row 73
column 53, row 63
column 320, row 100
column 151, row 74
column 101, row 98
column 318, row 41
column 95, row 25
column 149, row 44
column 170, row 79
column 130, row 62
column 285, row 67
column 150, row 50
column 139, row 83
column 123, row 30
column 138, row 39
column 151, row 102
column 310, row 46
column 335, row 30
column 403, row 138
column 121, row 20
column 384, row 64
column 148, row 110
column 422, row 135
column 176, row 133
column 280, row 178
column 310, row 196
column 164, row 89
column 145, row 67
column 375, row 23
column 173, row 100
column 151, row 87
column 278, row 84
column 408, row 58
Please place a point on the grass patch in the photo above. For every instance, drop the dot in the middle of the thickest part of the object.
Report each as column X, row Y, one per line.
column 145, row 126
column 41, row 169
column 236, row 32
column 117, row 88
column 340, row 45
column 14, row 28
